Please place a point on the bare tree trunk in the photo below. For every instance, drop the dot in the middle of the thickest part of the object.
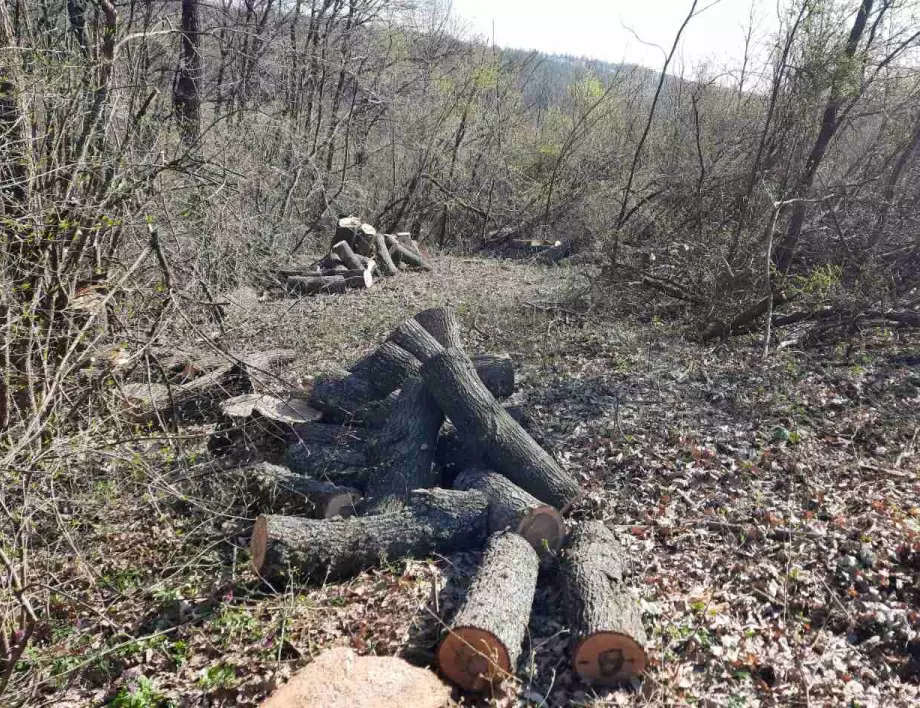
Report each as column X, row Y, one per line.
column 187, row 87
column 785, row 249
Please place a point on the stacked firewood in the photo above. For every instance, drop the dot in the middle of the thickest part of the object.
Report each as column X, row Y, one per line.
column 357, row 253
column 372, row 457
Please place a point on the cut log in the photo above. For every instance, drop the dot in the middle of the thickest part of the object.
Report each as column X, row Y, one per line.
column 416, row 340
column 278, row 490
column 347, row 256
column 507, row 448
column 387, row 368
column 403, row 455
column 329, row 434
column 340, row 462
column 199, row 395
column 325, row 284
column 496, row 371
column 346, row 395
column 387, row 266
column 405, row 255
column 607, row 635
column 513, row 509
column 454, row 454
column 359, row 236
column 435, row 521
column 483, row 644
column 258, row 420
column 441, row 323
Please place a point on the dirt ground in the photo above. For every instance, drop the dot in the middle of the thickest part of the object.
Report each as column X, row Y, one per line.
column 771, row 509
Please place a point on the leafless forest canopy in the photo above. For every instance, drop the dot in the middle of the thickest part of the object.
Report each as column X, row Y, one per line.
column 155, row 154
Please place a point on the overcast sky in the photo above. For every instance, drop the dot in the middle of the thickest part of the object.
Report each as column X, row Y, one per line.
column 602, row 28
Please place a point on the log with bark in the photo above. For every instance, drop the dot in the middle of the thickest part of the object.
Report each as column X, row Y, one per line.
column 608, row 639
column 359, row 236
column 347, row 256
column 403, row 454
column 332, row 284
column 387, row 266
column 402, row 254
column 484, row 641
column 436, row 521
column 513, row 509
column 279, row 490
column 329, row 453
column 506, row 446
column 342, row 395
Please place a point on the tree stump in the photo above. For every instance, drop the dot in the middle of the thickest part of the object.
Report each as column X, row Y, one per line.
column 513, row 509
column 434, row 521
column 607, row 635
column 484, row 641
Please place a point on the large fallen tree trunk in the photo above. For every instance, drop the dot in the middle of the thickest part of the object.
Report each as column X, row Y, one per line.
column 483, row 644
column 403, row 455
column 278, row 490
column 435, row 521
column 506, row 446
column 513, row 509
column 441, row 323
column 607, row 635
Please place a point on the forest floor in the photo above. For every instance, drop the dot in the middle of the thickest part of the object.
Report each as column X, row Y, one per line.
column 771, row 509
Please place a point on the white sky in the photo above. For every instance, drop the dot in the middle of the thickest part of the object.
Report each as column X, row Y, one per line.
column 598, row 28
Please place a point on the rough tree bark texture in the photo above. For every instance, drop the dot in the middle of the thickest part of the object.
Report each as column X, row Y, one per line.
column 506, row 446
column 513, row 509
column 441, row 323
column 341, row 461
column 186, row 91
column 435, row 521
column 403, row 455
column 387, row 266
column 341, row 396
column 484, row 642
column 278, row 490
column 607, row 635
column 347, row 256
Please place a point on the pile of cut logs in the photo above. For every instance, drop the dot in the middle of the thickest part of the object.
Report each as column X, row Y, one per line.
column 356, row 254
column 415, row 449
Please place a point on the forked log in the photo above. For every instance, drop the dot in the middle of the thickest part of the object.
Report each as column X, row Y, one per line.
column 278, row 490
column 513, row 509
column 607, row 636
column 506, row 446
column 484, row 641
column 403, row 455
column 435, row 521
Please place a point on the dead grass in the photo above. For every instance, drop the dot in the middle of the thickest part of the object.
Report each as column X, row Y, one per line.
column 771, row 509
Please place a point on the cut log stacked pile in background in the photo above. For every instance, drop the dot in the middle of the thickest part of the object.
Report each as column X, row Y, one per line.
column 371, row 457
column 357, row 253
